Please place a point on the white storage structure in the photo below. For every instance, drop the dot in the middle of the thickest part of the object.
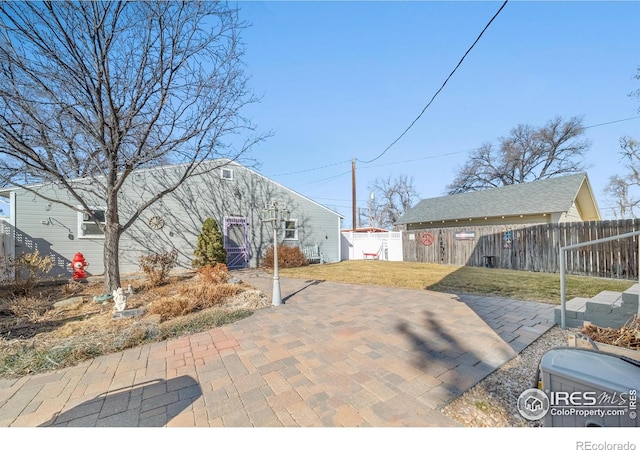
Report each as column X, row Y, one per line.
column 590, row 388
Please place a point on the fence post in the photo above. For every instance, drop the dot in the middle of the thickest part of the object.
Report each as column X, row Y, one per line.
column 562, row 269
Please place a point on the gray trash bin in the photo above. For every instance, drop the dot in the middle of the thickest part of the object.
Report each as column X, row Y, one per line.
column 589, row 388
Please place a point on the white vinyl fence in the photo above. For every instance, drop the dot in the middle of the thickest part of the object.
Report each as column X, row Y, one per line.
column 383, row 246
column 7, row 249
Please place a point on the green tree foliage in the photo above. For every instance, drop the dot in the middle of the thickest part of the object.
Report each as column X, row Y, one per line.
column 209, row 248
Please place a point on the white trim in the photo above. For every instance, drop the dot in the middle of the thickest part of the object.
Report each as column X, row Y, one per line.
column 295, row 229
column 339, row 258
column 12, row 208
column 229, row 177
column 80, row 216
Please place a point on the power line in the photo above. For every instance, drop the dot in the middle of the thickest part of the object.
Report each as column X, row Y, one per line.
column 612, row 122
column 327, row 179
column 310, row 170
column 440, row 155
column 420, row 159
column 478, row 148
column 441, row 87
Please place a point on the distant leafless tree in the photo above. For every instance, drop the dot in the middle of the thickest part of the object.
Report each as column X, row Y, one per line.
column 527, row 154
column 390, row 199
column 636, row 92
column 99, row 89
column 624, row 190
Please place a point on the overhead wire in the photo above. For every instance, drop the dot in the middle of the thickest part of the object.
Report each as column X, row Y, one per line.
column 310, row 170
column 439, row 155
column 440, row 89
column 612, row 122
column 325, row 180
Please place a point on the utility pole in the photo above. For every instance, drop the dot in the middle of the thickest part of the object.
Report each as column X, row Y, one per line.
column 353, row 193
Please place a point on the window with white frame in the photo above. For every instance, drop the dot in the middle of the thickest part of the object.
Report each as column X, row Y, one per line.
column 291, row 230
column 87, row 226
column 226, row 173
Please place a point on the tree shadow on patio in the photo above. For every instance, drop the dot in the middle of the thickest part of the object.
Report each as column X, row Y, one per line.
column 150, row 404
column 445, row 356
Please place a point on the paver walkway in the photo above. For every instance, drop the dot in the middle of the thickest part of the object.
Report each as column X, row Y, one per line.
column 333, row 355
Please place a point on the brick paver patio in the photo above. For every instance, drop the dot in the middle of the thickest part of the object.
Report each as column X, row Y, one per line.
column 333, row 355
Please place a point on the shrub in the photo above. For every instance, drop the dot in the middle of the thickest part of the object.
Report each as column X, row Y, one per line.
column 168, row 308
column 30, row 308
column 25, row 271
column 210, row 295
column 216, row 274
column 209, row 247
column 158, row 265
column 72, row 287
column 193, row 298
column 287, row 257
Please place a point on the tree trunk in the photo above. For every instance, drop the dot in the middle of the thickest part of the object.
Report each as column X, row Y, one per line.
column 111, row 257
column 112, row 232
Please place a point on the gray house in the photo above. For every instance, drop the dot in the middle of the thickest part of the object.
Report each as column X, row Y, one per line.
column 234, row 195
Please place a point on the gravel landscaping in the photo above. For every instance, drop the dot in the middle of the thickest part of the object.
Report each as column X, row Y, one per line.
column 492, row 402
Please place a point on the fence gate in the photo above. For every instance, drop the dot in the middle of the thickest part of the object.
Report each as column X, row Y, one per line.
column 236, row 241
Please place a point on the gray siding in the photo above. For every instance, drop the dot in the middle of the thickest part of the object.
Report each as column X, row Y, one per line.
column 52, row 229
column 183, row 211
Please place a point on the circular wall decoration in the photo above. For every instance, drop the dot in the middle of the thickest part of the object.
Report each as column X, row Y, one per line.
column 156, row 223
column 426, row 238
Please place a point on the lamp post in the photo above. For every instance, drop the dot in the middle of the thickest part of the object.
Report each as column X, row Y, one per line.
column 275, row 215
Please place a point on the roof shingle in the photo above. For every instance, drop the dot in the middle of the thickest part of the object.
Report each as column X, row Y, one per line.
column 537, row 197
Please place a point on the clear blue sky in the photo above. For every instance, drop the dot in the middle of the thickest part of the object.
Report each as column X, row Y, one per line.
column 342, row 80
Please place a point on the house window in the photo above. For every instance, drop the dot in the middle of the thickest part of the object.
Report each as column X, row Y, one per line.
column 87, row 226
column 291, row 230
column 226, row 174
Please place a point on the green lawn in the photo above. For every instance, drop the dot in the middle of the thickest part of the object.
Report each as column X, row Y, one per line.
column 538, row 286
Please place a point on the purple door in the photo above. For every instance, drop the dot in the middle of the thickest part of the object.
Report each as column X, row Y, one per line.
column 236, row 238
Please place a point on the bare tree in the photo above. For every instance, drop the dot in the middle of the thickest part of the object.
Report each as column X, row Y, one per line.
column 624, row 191
column 527, row 154
column 99, row 89
column 390, row 199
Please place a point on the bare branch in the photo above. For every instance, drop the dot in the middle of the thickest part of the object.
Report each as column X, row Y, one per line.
column 96, row 90
column 624, row 191
column 390, row 199
column 527, row 154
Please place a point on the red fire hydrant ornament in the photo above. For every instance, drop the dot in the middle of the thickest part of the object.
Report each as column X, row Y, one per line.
column 78, row 264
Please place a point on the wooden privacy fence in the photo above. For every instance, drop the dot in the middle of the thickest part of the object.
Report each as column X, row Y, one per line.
column 530, row 247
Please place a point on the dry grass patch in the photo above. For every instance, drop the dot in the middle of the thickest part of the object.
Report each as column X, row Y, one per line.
column 36, row 337
column 194, row 297
column 380, row 273
column 30, row 308
column 544, row 287
column 209, row 295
